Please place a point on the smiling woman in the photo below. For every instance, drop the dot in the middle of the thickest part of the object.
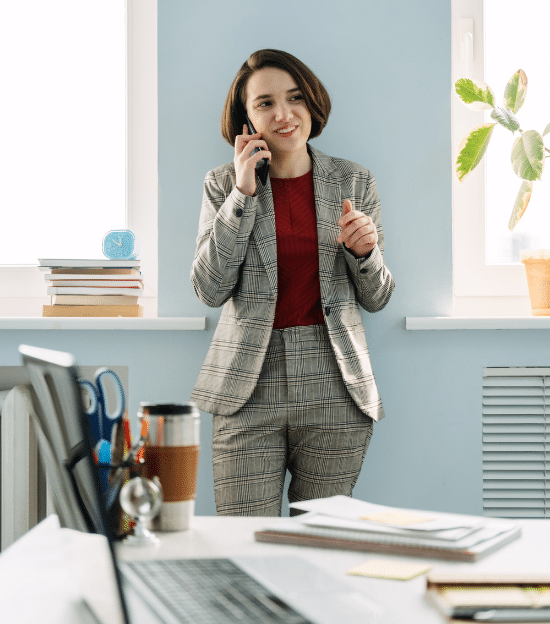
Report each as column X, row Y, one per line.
column 288, row 377
column 277, row 109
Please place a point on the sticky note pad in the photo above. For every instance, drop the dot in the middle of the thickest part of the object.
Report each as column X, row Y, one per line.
column 397, row 570
column 395, row 517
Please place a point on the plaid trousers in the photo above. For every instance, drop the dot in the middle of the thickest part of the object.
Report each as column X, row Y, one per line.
column 300, row 417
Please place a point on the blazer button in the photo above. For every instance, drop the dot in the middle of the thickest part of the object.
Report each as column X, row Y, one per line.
column 327, row 310
column 239, row 212
column 363, row 270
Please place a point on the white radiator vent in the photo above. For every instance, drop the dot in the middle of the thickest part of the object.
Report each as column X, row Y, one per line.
column 516, row 442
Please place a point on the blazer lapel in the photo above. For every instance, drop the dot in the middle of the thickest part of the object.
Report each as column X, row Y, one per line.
column 328, row 206
column 264, row 233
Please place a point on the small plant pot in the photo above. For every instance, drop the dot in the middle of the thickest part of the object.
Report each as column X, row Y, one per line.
column 537, row 269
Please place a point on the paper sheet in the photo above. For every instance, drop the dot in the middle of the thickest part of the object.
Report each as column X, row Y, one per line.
column 348, row 508
column 399, row 518
column 390, row 569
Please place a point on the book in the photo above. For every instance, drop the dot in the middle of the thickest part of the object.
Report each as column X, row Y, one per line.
column 349, row 524
column 73, row 263
column 93, row 290
column 92, row 310
column 89, row 277
column 90, row 300
column 92, row 287
column 496, row 597
column 90, row 283
column 91, row 271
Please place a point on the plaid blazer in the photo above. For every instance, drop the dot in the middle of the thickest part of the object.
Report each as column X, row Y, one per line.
column 235, row 266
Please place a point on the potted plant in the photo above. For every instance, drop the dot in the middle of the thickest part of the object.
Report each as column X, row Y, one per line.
column 528, row 155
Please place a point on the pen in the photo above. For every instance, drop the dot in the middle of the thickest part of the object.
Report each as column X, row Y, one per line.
column 134, row 455
column 504, row 615
column 127, row 433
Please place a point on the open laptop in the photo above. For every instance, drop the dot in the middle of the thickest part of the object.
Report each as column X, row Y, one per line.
column 238, row 589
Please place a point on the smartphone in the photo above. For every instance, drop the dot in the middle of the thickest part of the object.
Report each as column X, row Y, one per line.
column 262, row 166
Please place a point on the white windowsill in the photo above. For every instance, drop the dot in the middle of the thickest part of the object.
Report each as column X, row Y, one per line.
column 456, row 322
column 119, row 323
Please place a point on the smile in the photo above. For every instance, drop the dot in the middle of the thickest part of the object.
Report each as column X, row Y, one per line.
column 287, row 131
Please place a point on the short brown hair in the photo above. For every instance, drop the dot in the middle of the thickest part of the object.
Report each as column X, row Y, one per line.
column 315, row 95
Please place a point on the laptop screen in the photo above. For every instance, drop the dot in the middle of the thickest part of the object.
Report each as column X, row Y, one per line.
column 64, row 443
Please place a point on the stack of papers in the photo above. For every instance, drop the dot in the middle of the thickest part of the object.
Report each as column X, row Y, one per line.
column 343, row 522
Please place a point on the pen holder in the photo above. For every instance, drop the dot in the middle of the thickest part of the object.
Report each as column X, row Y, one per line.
column 119, row 523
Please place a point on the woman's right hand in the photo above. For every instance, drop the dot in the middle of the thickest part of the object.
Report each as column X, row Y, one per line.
column 245, row 161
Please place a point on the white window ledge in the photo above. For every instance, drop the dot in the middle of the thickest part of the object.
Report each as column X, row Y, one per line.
column 456, row 322
column 119, row 323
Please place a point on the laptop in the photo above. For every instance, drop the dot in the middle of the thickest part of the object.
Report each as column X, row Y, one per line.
column 251, row 590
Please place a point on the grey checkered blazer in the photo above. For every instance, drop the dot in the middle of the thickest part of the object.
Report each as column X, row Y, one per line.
column 235, row 266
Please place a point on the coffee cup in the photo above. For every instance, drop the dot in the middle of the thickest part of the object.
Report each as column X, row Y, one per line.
column 171, row 453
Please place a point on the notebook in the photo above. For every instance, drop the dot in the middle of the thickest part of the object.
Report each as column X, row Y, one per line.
column 208, row 590
column 348, row 523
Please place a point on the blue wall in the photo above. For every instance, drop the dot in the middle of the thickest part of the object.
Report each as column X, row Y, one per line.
column 387, row 68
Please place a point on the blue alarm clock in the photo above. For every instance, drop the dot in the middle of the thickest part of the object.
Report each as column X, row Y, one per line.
column 121, row 245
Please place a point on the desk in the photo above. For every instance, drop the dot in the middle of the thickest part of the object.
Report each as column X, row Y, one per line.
column 227, row 536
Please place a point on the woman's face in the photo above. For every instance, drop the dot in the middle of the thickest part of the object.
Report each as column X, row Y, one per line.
column 276, row 108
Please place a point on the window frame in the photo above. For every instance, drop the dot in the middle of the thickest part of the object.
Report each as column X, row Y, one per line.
column 479, row 289
column 22, row 288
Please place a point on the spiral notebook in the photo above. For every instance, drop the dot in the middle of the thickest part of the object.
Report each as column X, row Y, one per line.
column 350, row 524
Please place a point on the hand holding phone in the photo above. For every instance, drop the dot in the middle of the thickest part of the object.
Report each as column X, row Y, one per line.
column 262, row 166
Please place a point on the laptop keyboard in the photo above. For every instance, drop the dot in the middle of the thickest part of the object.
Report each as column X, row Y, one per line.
column 212, row 591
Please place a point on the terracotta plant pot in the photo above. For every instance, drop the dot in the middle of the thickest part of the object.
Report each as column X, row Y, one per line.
column 537, row 269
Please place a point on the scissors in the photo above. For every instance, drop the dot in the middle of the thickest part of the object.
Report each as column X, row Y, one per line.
column 101, row 420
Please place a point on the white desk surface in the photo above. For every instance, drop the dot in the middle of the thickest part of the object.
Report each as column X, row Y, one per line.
column 229, row 536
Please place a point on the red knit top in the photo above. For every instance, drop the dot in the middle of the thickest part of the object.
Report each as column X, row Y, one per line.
column 299, row 291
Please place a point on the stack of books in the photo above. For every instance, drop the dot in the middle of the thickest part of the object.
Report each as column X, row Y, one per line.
column 347, row 523
column 92, row 287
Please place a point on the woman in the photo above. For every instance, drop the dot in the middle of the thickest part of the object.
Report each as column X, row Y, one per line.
column 287, row 377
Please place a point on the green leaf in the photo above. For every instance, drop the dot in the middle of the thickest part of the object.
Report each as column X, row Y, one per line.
column 546, row 130
column 528, row 155
column 505, row 118
column 516, row 89
column 472, row 148
column 521, row 202
column 475, row 94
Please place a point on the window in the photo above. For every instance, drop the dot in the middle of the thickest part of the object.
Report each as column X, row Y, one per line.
column 487, row 45
column 22, row 288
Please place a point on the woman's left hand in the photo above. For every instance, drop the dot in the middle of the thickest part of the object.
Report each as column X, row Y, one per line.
column 358, row 230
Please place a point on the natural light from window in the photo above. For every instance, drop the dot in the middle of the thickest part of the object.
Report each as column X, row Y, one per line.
column 63, row 127
column 515, row 38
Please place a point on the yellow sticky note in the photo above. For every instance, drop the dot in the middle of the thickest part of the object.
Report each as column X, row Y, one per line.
column 388, row 569
column 395, row 517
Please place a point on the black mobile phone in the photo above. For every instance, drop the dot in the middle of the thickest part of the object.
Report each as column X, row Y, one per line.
column 262, row 166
